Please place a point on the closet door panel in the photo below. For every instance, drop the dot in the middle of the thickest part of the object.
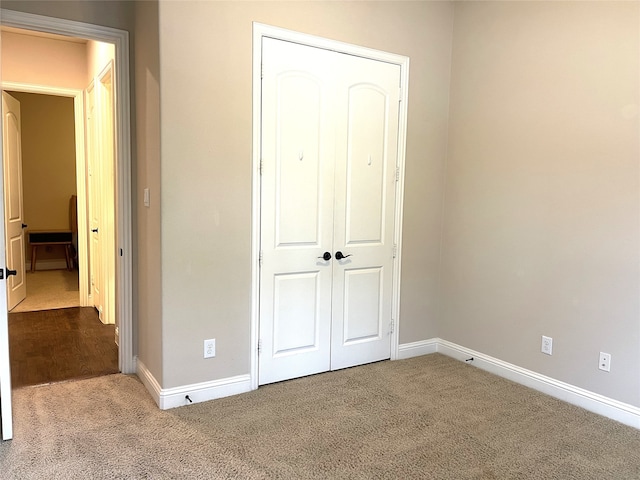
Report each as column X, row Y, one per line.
column 297, row 212
column 365, row 166
column 366, row 157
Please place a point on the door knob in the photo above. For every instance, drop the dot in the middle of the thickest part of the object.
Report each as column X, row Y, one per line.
column 340, row 256
column 11, row 272
column 24, row 225
column 326, row 256
column 94, row 230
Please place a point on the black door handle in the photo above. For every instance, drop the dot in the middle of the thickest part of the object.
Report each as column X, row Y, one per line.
column 94, row 230
column 340, row 256
column 24, row 225
column 11, row 272
column 326, row 256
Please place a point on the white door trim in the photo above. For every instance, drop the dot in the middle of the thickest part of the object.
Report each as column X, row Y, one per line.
column 124, row 264
column 260, row 31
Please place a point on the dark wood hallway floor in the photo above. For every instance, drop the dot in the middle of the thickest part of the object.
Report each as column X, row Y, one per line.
column 57, row 345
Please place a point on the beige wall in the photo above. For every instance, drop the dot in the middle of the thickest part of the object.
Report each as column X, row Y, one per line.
column 109, row 13
column 206, row 132
column 540, row 230
column 48, row 163
column 41, row 61
column 147, row 98
column 541, row 226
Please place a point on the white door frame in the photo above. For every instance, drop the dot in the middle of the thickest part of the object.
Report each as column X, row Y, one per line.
column 124, row 263
column 260, row 31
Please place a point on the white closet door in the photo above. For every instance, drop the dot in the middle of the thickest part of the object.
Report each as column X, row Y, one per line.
column 329, row 149
column 366, row 157
column 297, row 204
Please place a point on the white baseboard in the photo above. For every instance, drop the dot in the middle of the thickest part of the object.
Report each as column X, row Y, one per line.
column 167, row 398
column 415, row 349
column 593, row 402
column 596, row 403
column 148, row 380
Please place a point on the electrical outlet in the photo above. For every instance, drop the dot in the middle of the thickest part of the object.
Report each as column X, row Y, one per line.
column 547, row 345
column 210, row 348
column 605, row 362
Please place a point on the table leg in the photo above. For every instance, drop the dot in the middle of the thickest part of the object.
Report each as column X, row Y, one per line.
column 34, row 254
column 68, row 256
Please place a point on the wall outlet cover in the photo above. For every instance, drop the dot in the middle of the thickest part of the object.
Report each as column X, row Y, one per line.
column 604, row 362
column 210, row 348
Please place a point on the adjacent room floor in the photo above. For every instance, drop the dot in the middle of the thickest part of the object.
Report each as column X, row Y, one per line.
column 52, row 339
column 49, row 289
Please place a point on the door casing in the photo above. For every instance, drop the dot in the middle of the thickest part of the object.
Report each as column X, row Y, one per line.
column 124, row 261
column 260, row 31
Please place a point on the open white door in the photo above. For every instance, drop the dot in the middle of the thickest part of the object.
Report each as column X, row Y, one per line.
column 6, row 415
column 6, row 411
column 101, row 186
column 106, row 130
column 13, row 206
column 95, row 202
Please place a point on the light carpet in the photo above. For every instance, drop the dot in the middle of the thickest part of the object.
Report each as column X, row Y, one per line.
column 428, row 417
column 49, row 290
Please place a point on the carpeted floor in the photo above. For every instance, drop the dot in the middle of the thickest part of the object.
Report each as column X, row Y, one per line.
column 428, row 417
column 50, row 289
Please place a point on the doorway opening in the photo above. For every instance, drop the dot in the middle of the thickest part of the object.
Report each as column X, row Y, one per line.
column 53, row 335
column 112, row 78
column 49, row 202
column 54, row 182
column 115, row 81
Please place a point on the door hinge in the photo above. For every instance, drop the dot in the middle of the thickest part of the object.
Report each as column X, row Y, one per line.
column 121, row 252
column 391, row 326
column 259, row 346
column 260, row 258
column 399, row 94
column 395, row 250
column 397, row 174
column 261, row 71
column 261, row 166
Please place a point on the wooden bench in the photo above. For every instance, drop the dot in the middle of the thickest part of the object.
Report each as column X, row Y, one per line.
column 51, row 237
